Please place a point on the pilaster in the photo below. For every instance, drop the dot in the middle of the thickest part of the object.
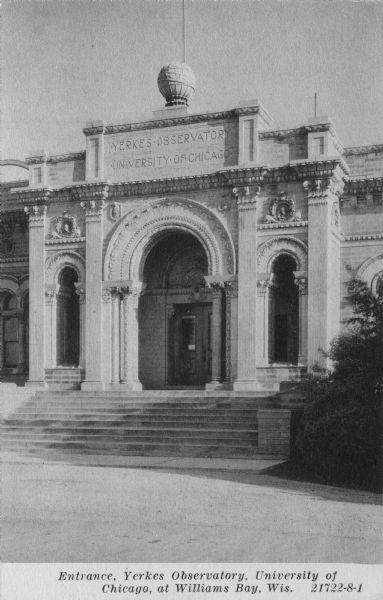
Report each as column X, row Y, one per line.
column 323, row 304
column 300, row 280
column 217, row 346
column 37, row 219
column 265, row 287
column 130, row 300
column 231, row 330
column 80, row 291
column 93, row 209
column 247, row 290
column 51, row 325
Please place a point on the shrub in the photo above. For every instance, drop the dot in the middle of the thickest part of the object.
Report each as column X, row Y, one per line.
column 339, row 436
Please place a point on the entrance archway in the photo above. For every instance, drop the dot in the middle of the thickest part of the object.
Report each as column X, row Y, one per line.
column 175, row 314
column 68, row 319
column 284, row 312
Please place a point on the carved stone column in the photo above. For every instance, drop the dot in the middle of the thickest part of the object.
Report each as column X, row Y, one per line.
column 301, row 281
column 21, row 361
column 247, row 288
column 231, row 296
column 37, row 218
column 80, row 291
column 115, row 336
column 130, row 302
column 1, row 342
column 216, row 370
column 51, row 325
column 93, row 315
column 264, row 287
column 323, row 266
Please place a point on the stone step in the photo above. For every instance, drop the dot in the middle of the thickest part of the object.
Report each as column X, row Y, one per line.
column 122, row 415
column 134, row 420
column 138, row 449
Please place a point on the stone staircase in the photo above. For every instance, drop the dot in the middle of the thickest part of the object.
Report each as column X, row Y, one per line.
column 160, row 423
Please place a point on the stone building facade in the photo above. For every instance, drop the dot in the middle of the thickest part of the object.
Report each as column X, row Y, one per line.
column 188, row 250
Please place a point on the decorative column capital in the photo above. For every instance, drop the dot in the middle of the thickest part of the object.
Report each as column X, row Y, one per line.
column 80, row 291
column 93, row 208
column 36, row 214
column 321, row 191
column 51, row 292
column 247, row 196
column 301, row 283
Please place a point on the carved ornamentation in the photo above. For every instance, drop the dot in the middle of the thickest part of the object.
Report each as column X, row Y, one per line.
column 80, row 291
column 139, row 229
column 65, row 226
column 301, row 283
column 282, row 209
column 115, row 211
column 247, row 196
column 335, row 215
column 92, row 208
column 268, row 251
column 36, row 214
column 51, row 292
column 358, row 150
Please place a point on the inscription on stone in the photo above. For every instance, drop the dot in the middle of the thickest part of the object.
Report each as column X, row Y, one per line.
column 171, row 151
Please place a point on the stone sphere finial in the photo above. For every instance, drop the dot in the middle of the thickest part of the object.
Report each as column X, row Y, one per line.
column 176, row 82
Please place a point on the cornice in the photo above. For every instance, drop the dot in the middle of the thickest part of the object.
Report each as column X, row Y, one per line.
column 67, row 157
column 83, row 191
column 284, row 133
column 171, row 122
column 19, row 183
column 367, row 184
column 308, row 169
column 65, row 241
column 356, row 150
column 363, row 237
column 32, row 196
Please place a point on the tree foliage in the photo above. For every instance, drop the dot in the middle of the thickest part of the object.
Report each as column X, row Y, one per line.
column 339, row 438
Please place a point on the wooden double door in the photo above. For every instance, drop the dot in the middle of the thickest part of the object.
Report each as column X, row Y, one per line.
column 190, row 344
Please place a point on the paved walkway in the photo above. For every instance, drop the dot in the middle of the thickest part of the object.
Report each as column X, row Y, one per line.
column 115, row 509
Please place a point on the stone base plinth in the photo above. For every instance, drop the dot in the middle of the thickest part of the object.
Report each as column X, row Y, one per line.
column 135, row 386
column 90, row 386
column 36, row 384
column 216, row 385
column 246, row 385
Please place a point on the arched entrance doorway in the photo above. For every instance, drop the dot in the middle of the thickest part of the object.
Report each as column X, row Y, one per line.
column 175, row 314
column 68, row 320
column 284, row 312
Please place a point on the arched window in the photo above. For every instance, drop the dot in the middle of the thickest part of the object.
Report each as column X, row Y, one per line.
column 10, row 332
column 68, row 320
column 284, row 312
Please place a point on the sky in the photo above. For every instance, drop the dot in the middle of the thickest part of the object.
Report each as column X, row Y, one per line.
column 65, row 62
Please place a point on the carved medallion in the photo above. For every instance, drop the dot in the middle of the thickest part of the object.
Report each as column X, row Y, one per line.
column 65, row 226
column 282, row 209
